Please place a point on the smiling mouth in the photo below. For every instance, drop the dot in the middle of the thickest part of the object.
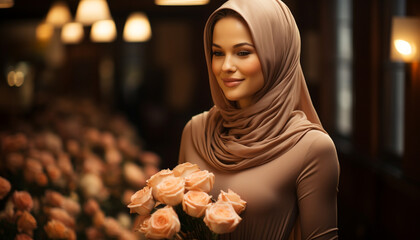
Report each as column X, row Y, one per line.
column 231, row 82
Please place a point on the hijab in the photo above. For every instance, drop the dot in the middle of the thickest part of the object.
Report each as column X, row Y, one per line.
column 232, row 139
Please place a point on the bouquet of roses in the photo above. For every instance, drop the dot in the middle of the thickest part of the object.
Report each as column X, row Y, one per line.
column 176, row 204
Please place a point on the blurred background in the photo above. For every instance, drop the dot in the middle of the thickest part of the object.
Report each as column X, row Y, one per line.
column 82, row 84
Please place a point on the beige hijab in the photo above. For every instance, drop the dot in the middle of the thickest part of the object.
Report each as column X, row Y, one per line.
column 233, row 139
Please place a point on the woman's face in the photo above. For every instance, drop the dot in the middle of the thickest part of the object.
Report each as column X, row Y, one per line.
column 235, row 62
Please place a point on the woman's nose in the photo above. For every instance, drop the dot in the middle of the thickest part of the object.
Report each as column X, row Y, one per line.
column 228, row 65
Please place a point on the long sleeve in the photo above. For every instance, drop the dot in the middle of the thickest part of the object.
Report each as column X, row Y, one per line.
column 317, row 187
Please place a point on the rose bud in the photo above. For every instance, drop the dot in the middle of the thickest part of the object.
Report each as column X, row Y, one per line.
column 142, row 201
column 56, row 230
column 231, row 197
column 93, row 233
column 126, row 197
column 150, row 170
column 163, row 223
column 171, row 191
column 221, row 218
column 91, row 207
column 22, row 236
column 26, row 223
column 62, row 216
column 152, row 158
column 23, row 200
column 200, row 181
column 98, row 219
column 185, row 169
column 72, row 207
column 4, row 187
column 134, row 175
column 53, row 198
column 195, row 203
column 112, row 227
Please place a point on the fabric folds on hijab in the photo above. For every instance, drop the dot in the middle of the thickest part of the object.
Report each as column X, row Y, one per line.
column 233, row 139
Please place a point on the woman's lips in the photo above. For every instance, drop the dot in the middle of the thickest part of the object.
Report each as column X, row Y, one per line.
column 231, row 82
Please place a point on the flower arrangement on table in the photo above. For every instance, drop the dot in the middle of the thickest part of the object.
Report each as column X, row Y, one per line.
column 176, row 204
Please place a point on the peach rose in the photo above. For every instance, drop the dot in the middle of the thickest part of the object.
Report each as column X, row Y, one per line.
column 23, row 236
column 221, row 217
column 4, row 187
column 231, row 197
column 54, row 173
column 195, row 203
column 152, row 158
column 134, row 175
column 185, row 169
column 65, row 165
column 98, row 218
column 171, row 191
column 54, row 198
column 124, row 220
column 93, row 233
column 112, row 227
column 73, row 147
column 200, row 181
column 157, row 178
column 57, row 230
column 142, row 201
column 23, row 200
column 33, row 168
column 62, row 216
column 91, row 207
column 113, row 156
column 15, row 161
column 71, row 206
column 91, row 185
column 163, row 223
column 26, row 223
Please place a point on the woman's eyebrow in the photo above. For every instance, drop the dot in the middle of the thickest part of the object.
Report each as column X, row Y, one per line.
column 236, row 45
column 243, row 44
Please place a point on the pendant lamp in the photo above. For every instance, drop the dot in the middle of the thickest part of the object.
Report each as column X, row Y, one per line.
column 405, row 39
column 6, row 3
column 59, row 14
column 103, row 31
column 72, row 33
column 90, row 11
column 181, row 2
column 44, row 32
column 137, row 28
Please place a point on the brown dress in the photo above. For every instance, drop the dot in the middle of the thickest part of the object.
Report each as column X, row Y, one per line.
column 303, row 182
column 275, row 152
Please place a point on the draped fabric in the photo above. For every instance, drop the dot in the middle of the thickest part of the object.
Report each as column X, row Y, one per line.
column 233, row 139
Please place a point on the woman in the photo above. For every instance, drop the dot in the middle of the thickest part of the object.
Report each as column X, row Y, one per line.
column 263, row 138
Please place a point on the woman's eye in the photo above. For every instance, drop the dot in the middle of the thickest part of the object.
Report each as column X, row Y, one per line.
column 243, row 53
column 217, row 53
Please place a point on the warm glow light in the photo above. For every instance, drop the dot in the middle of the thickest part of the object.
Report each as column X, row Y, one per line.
column 72, row 32
column 90, row 11
column 403, row 47
column 6, row 3
column 405, row 39
column 181, row 2
column 59, row 14
column 137, row 28
column 44, row 32
column 19, row 78
column 11, row 78
column 103, row 31
column 15, row 78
